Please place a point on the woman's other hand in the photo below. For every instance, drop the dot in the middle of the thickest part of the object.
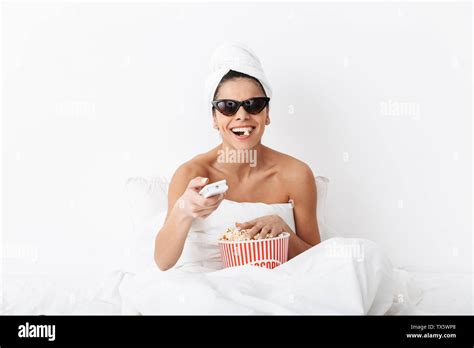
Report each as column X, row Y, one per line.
column 263, row 225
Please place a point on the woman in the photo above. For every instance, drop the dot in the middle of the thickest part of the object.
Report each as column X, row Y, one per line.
column 274, row 178
column 270, row 193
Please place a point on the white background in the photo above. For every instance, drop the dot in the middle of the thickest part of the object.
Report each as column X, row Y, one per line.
column 96, row 93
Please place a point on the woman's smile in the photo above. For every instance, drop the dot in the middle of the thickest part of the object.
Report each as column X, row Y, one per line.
column 242, row 132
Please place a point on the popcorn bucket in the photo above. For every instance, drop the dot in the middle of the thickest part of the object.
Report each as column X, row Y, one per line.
column 268, row 252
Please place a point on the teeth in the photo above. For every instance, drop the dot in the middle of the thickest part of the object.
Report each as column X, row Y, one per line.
column 242, row 129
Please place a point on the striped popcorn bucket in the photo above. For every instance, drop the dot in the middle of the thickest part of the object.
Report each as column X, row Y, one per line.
column 269, row 253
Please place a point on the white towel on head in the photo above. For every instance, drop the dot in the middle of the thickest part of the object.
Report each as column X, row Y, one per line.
column 237, row 57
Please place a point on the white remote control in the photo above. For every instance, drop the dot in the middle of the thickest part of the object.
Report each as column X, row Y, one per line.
column 214, row 189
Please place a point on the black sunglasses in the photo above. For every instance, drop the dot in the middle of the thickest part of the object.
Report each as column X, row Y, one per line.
column 230, row 107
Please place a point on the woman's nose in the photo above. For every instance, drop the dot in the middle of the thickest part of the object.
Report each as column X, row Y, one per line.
column 242, row 114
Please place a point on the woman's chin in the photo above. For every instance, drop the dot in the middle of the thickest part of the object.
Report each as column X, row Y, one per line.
column 244, row 144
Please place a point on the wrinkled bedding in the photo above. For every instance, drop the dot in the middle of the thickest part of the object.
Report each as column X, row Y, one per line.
column 318, row 281
column 417, row 293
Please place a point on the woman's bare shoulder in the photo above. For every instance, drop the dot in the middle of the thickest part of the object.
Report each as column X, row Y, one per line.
column 290, row 167
column 296, row 178
column 196, row 166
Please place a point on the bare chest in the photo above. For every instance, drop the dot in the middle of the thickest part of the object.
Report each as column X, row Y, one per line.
column 265, row 188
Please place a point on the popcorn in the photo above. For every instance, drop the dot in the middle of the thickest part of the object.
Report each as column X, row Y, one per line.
column 233, row 234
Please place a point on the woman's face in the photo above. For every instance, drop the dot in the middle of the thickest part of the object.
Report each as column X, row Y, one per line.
column 240, row 89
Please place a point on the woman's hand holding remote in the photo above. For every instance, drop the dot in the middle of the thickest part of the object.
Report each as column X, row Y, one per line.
column 193, row 204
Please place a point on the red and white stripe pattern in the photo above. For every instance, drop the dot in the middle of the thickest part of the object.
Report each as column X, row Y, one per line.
column 269, row 253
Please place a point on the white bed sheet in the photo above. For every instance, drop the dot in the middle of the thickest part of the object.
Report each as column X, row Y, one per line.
column 438, row 294
column 445, row 293
column 59, row 295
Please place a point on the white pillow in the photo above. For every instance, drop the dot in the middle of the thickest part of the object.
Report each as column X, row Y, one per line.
column 146, row 196
column 325, row 231
column 148, row 202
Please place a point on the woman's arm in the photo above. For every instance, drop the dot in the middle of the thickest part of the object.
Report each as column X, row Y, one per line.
column 184, row 204
column 169, row 241
column 296, row 245
column 303, row 193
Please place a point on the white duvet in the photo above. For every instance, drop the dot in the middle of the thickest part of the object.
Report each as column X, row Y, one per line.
column 338, row 276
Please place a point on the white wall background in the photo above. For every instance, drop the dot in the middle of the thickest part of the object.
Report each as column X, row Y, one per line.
column 96, row 93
